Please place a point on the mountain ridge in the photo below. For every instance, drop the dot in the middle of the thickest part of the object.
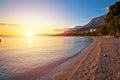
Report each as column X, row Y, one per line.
column 95, row 23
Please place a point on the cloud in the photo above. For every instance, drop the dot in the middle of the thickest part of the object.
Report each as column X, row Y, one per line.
column 106, row 8
column 83, row 19
column 5, row 24
column 61, row 30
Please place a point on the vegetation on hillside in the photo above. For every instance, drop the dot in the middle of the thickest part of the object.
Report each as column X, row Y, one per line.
column 112, row 20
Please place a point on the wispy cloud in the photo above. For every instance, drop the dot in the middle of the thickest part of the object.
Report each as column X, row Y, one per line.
column 83, row 19
column 5, row 24
column 61, row 30
column 106, row 8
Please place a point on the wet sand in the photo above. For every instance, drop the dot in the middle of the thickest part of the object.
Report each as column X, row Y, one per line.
column 99, row 61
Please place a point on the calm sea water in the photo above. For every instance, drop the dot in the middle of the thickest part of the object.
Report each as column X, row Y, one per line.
column 20, row 54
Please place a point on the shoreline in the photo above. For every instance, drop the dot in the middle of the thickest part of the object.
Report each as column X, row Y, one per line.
column 47, row 71
column 63, row 66
column 99, row 61
column 41, row 71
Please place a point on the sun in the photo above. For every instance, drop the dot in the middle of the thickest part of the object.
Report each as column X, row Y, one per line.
column 29, row 34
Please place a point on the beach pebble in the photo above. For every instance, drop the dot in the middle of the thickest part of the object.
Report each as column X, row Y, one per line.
column 105, row 55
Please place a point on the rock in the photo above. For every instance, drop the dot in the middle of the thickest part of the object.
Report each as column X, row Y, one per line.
column 105, row 55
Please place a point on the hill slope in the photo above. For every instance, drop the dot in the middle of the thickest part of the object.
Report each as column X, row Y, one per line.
column 93, row 24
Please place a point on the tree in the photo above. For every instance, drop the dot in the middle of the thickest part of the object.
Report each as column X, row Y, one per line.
column 113, row 19
column 102, row 31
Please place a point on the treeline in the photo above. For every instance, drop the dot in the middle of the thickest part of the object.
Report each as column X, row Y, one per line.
column 112, row 22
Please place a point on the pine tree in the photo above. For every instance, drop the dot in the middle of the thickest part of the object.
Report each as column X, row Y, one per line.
column 113, row 19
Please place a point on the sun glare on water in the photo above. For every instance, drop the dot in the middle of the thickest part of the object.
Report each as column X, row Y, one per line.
column 29, row 34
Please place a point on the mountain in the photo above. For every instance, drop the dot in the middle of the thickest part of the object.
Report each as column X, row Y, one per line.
column 95, row 23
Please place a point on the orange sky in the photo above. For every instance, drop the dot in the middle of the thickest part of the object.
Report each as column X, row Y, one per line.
column 20, row 24
column 21, row 30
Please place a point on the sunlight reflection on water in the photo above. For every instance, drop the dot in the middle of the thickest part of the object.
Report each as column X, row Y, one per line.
column 19, row 54
column 30, row 41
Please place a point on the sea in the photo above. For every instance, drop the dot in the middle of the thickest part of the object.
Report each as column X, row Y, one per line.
column 21, row 54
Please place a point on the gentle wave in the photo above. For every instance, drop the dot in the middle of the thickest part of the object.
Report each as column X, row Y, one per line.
column 20, row 54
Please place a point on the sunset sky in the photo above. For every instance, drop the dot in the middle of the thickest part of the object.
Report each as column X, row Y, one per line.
column 17, row 17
